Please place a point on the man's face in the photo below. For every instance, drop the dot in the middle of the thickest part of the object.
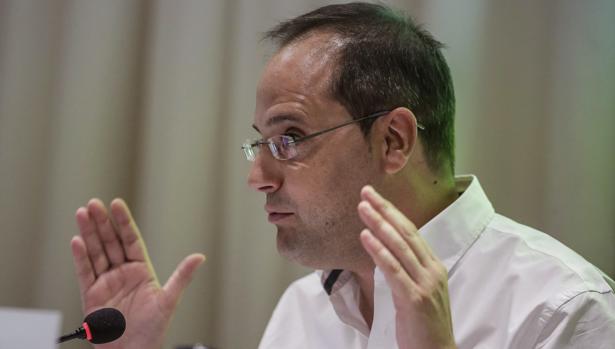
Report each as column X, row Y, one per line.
column 311, row 198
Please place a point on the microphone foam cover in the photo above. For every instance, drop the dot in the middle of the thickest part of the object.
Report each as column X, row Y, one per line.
column 106, row 325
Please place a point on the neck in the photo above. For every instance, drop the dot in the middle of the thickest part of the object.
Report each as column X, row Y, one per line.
column 420, row 196
column 366, row 300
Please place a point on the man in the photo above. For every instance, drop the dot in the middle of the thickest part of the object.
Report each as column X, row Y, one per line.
column 357, row 106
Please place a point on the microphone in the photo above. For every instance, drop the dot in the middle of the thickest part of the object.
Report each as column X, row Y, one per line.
column 101, row 326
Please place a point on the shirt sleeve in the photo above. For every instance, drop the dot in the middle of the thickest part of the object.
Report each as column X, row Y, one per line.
column 587, row 320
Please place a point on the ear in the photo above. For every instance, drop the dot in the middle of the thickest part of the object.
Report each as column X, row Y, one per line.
column 399, row 139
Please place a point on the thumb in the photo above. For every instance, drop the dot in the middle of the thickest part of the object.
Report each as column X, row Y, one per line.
column 181, row 277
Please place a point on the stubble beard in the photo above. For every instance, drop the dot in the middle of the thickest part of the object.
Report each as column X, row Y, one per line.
column 326, row 236
column 330, row 243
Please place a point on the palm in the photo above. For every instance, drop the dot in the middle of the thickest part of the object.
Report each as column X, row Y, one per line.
column 114, row 271
column 417, row 278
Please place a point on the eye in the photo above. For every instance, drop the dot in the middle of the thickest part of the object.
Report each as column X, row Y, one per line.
column 293, row 133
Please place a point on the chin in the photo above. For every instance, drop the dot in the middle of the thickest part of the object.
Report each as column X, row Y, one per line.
column 297, row 252
column 312, row 258
column 316, row 251
column 288, row 247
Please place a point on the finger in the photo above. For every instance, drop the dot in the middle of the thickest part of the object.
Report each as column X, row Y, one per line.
column 83, row 266
column 400, row 222
column 392, row 240
column 397, row 278
column 181, row 277
column 134, row 246
column 106, row 231
column 94, row 248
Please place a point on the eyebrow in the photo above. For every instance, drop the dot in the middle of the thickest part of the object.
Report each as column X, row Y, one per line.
column 278, row 119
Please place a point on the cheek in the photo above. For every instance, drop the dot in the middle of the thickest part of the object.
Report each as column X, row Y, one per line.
column 328, row 184
column 347, row 180
column 332, row 184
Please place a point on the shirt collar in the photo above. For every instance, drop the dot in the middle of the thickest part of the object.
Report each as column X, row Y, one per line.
column 452, row 231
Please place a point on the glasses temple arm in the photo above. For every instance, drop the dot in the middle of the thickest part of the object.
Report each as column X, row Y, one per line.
column 304, row 138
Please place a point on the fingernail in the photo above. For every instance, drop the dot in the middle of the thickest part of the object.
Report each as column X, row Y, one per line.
column 373, row 193
column 365, row 232
column 365, row 207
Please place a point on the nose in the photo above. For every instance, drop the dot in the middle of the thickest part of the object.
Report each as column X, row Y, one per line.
column 264, row 175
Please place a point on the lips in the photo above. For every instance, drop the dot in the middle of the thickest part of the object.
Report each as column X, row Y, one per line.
column 276, row 214
column 275, row 217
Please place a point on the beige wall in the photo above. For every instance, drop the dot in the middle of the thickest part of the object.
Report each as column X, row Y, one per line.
column 149, row 100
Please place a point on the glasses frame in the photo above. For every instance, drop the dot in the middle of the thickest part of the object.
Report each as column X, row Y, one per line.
column 290, row 141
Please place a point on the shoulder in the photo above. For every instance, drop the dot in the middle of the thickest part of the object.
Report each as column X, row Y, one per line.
column 535, row 255
column 530, row 284
column 585, row 320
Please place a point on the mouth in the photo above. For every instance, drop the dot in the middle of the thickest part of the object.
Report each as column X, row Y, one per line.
column 275, row 217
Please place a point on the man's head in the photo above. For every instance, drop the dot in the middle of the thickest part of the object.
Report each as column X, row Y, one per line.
column 385, row 61
column 335, row 64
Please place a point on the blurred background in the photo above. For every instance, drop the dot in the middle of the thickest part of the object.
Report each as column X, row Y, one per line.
column 150, row 101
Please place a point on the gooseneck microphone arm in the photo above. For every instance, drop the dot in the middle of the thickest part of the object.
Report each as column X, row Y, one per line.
column 79, row 333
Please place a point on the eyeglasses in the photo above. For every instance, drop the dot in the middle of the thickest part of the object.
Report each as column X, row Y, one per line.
column 283, row 147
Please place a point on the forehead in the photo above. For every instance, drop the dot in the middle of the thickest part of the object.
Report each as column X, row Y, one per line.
column 297, row 78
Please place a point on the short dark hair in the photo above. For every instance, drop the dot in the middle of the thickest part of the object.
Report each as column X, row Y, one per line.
column 385, row 61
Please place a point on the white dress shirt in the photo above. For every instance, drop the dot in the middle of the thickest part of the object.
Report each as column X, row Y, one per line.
column 510, row 286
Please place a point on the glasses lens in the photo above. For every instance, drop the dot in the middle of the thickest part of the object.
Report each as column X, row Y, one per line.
column 250, row 149
column 282, row 147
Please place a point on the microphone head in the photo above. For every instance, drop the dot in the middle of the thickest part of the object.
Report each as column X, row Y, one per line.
column 106, row 325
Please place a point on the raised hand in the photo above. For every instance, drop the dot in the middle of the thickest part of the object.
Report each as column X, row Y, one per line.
column 114, row 270
column 418, row 280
